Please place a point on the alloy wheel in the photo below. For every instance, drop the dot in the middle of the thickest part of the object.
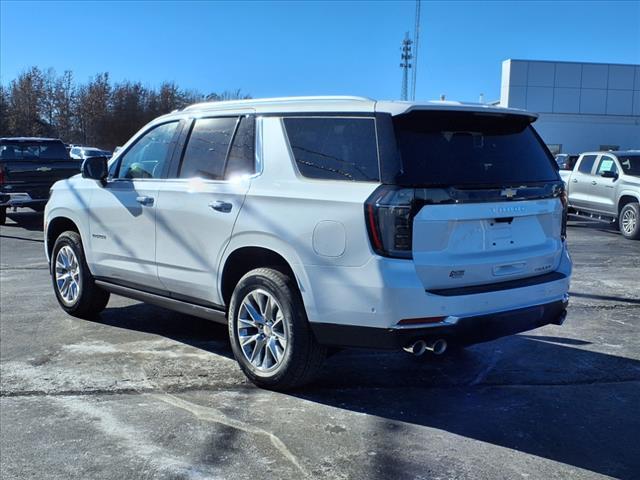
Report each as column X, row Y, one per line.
column 629, row 221
column 67, row 275
column 262, row 330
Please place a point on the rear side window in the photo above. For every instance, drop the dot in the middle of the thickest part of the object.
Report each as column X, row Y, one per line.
column 334, row 148
column 33, row 151
column 470, row 149
column 586, row 165
column 207, row 147
column 242, row 153
column 630, row 164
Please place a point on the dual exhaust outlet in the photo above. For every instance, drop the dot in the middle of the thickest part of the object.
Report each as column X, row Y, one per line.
column 437, row 347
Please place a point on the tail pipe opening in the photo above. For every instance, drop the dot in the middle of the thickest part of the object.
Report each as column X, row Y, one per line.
column 435, row 346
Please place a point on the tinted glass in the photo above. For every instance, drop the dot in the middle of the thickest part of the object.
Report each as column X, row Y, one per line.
column 334, row 148
column 630, row 164
column 607, row 164
column 464, row 149
column 33, row 151
column 242, row 154
column 207, row 147
column 147, row 157
column 586, row 164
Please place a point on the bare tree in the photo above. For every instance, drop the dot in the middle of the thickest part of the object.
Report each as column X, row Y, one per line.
column 95, row 113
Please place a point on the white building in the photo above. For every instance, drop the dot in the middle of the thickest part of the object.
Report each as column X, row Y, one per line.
column 582, row 106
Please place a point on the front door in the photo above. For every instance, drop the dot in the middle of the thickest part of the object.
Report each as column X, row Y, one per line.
column 603, row 192
column 122, row 214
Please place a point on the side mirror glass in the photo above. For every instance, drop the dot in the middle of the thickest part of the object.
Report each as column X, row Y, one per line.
column 609, row 174
column 95, row 168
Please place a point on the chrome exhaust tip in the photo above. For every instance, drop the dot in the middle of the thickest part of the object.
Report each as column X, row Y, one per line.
column 416, row 348
column 437, row 347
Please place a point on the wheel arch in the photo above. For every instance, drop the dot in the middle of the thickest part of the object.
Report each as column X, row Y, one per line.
column 626, row 198
column 57, row 226
column 250, row 251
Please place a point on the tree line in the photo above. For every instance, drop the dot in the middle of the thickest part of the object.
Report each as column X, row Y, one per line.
column 97, row 113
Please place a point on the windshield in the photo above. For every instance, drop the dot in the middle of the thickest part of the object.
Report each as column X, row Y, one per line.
column 471, row 149
column 630, row 164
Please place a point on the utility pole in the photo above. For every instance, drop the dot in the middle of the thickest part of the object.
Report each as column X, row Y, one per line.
column 416, row 41
column 405, row 65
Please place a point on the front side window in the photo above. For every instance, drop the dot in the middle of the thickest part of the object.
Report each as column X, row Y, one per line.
column 334, row 148
column 207, row 146
column 148, row 156
column 607, row 164
column 586, row 165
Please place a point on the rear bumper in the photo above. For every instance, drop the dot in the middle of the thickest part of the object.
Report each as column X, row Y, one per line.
column 20, row 199
column 455, row 330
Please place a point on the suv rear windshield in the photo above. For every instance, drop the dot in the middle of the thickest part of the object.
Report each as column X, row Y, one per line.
column 470, row 149
column 33, row 151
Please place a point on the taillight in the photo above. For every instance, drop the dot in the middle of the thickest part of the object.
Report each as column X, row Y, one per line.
column 389, row 217
column 565, row 213
column 1, row 175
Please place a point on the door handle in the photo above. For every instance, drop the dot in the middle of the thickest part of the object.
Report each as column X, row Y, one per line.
column 221, row 206
column 593, row 182
column 145, row 200
column 575, row 180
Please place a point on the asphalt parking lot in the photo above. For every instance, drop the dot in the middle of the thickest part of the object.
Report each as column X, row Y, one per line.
column 146, row 393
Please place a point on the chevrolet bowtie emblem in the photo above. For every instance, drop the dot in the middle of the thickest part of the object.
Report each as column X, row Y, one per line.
column 43, row 169
column 508, row 192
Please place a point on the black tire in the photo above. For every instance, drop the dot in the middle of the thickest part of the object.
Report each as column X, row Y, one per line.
column 3, row 215
column 303, row 356
column 91, row 299
column 630, row 210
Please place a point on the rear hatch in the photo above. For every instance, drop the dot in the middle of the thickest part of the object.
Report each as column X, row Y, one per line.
column 477, row 200
column 33, row 165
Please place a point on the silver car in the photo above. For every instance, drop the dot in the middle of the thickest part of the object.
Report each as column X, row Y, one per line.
column 606, row 186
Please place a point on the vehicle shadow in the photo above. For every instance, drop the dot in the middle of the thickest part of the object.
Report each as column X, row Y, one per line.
column 540, row 395
column 27, row 219
column 196, row 332
column 536, row 395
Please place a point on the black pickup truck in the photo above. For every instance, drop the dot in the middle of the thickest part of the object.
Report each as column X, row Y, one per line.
column 28, row 168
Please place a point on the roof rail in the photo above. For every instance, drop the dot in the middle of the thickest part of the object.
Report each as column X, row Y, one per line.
column 266, row 101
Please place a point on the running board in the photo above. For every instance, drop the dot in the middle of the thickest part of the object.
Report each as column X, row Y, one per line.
column 598, row 217
column 212, row 314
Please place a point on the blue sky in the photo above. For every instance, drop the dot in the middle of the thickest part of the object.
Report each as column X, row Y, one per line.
column 311, row 48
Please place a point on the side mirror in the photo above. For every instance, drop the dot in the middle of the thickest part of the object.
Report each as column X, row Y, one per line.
column 609, row 174
column 95, row 168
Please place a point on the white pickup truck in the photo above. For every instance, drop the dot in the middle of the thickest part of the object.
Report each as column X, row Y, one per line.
column 605, row 186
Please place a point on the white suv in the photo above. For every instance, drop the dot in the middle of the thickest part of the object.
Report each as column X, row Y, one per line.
column 311, row 223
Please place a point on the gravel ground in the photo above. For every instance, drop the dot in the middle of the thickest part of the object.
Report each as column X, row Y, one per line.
column 146, row 393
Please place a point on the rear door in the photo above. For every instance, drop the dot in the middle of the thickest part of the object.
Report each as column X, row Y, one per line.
column 581, row 183
column 198, row 207
column 488, row 210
